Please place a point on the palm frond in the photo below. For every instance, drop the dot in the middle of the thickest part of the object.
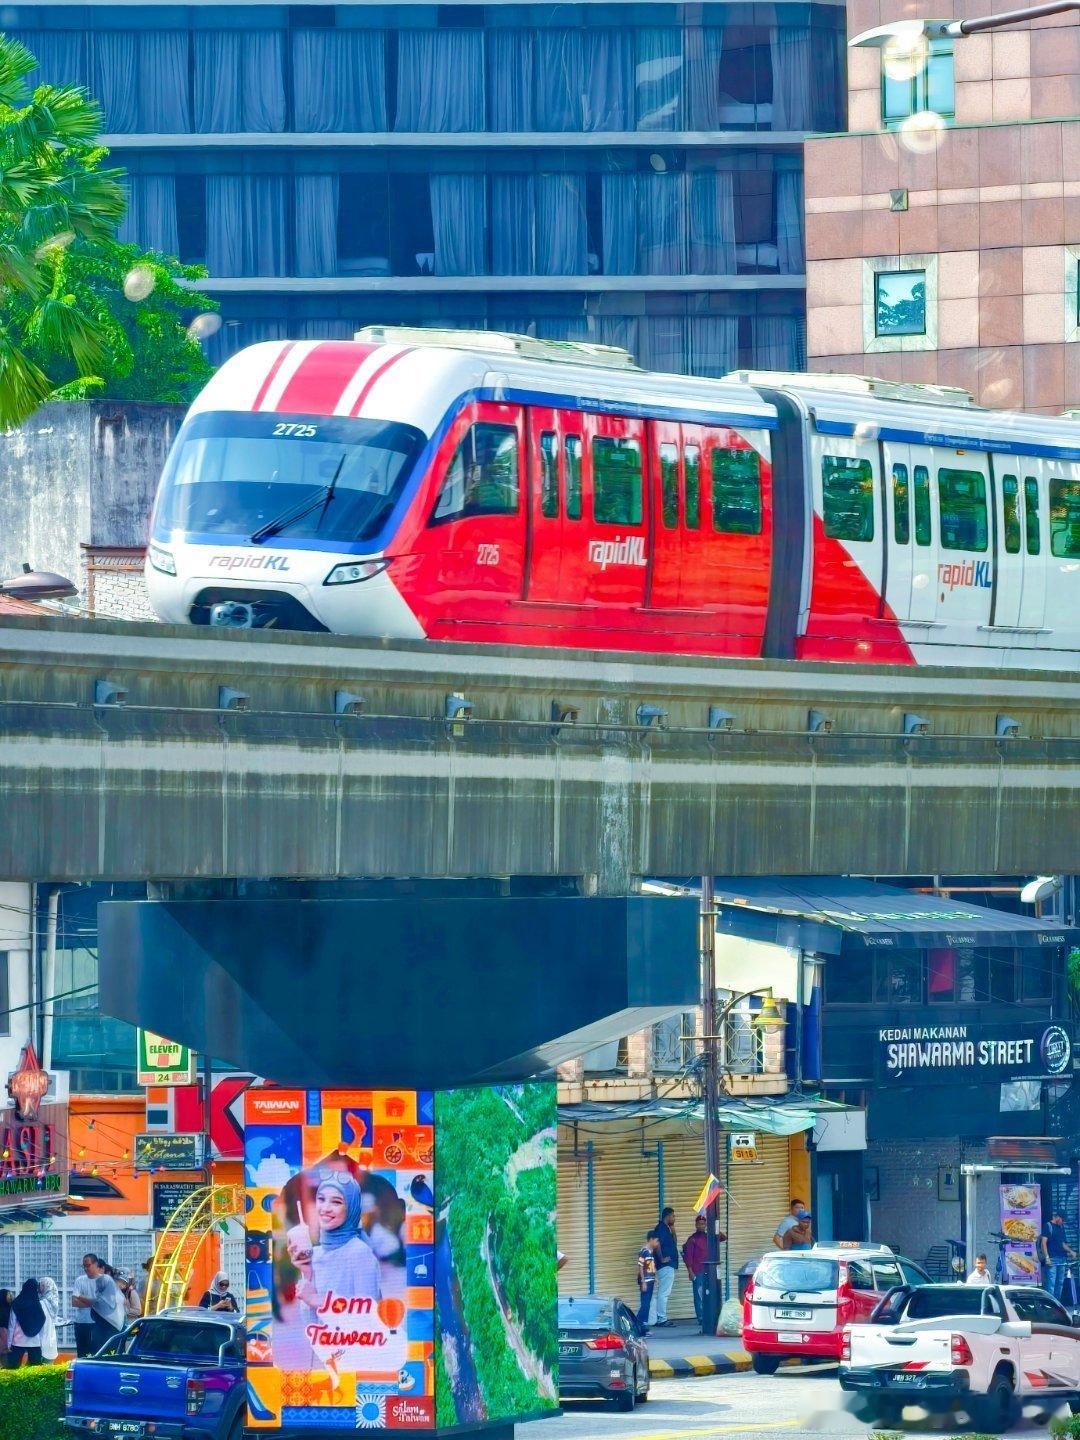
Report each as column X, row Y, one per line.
column 23, row 387
column 62, row 329
column 16, row 63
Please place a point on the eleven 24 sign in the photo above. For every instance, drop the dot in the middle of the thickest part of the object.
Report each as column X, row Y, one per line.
column 162, row 1062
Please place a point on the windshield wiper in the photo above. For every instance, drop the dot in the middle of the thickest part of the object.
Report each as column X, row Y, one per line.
column 288, row 517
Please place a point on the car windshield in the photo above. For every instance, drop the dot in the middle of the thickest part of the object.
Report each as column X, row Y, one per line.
column 796, row 1272
column 585, row 1313
column 231, row 474
column 166, row 1339
column 930, row 1302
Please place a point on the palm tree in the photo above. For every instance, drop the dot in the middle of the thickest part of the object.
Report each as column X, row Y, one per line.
column 53, row 191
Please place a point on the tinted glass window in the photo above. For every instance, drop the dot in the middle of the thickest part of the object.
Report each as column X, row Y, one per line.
column 1002, row 975
column 847, row 498
column 1032, row 1305
column 171, row 1337
column 1036, row 974
column 483, row 475
column 616, row 481
column 931, row 1301
column 886, row 1274
column 922, row 505
column 912, row 1274
column 1031, row 515
column 573, row 477
column 860, row 1275
column 898, row 978
column 900, row 302
column 795, row 1272
column 962, row 510
column 1010, row 505
column 1065, row 518
column 669, row 485
column 901, row 504
column 736, row 492
column 848, row 978
column 587, row 1313
column 692, row 482
column 956, row 976
column 549, row 475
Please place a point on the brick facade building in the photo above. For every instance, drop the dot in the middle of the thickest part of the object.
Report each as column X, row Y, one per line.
column 943, row 232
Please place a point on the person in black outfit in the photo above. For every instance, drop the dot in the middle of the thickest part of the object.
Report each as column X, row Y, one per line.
column 29, row 1321
column 219, row 1297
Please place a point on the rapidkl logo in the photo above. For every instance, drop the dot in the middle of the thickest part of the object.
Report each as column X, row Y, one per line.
column 256, row 561
column 630, row 551
column 967, row 574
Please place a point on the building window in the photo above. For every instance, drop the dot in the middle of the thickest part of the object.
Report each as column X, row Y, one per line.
column 736, row 492
column 616, row 481
column 916, row 81
column 899, row 303
column 849, row 978
column 1037, row 974
column 962, row 510
column 847, row 488
column 1010, row 502
column 1065, row 518
column 898, row 978
column 483, row 475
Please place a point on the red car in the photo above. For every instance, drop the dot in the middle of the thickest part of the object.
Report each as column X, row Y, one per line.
column 799, row 1301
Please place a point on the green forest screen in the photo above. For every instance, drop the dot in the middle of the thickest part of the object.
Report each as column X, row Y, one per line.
column 495, row 1290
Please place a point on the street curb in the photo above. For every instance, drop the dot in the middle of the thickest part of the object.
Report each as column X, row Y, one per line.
column 683, row 1365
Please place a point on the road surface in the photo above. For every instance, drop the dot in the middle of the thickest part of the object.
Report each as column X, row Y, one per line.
column 744, row 1407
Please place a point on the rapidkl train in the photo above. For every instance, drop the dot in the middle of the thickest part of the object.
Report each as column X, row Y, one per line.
column 482, row 487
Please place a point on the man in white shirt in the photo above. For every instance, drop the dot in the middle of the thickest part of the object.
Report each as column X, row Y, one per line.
column 82, row 1299
column 980, row 1275
column 790, row 1220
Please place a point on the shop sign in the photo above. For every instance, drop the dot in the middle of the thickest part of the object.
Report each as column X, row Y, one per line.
column 1020, row 1217
column 33, row 1157
column 162, row 1062
column 168, row 1152
column 964, row 1054
column 168, row 1196
column 743, row 1146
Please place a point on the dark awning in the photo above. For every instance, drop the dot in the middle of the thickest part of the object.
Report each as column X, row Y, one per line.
column 830, row 914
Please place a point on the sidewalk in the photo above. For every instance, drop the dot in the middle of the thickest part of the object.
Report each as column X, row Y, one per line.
column 681, row 1349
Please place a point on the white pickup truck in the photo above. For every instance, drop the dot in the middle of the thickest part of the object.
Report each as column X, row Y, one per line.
column 984, row 1350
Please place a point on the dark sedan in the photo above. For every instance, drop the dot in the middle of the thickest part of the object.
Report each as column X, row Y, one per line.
column 602, row 1352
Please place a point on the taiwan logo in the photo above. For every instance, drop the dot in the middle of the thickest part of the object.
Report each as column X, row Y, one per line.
column 1055, row 1050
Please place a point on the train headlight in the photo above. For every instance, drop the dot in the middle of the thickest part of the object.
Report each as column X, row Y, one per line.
column 161, row 559
column 355, row 571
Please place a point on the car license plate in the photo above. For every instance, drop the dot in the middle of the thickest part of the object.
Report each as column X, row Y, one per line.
column 913, row 1381
column 792, row 1314
column 789, row 1338
column 569, row 1352
column 126, row 1427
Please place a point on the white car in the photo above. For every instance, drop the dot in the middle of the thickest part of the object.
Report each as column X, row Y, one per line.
column 985, row 1350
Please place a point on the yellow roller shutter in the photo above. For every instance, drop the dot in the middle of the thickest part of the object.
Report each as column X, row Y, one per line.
column 627, row 1208
column 573, row 1217
column 759, row 1201
column 684, row 1175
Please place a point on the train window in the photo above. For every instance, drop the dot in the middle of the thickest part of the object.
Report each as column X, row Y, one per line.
column 1065, row 518
column 483, row 475
column 847, row 488
column 692, row 483
column 549, row 475
column 572, row 450
column 922, row 505
column 1010, row 505
column 616, row 481
column 1031, row 514
column 962, row 510
column 669, row 485
column 736, row 491
column 901, row 505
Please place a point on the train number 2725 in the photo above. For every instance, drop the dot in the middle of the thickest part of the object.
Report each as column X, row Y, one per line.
column 487, row 555
column 295, row 430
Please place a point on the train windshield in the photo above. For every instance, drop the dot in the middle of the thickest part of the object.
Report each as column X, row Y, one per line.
column 297, row 476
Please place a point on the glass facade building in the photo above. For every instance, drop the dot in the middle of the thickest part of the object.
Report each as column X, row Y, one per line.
column 628, row 173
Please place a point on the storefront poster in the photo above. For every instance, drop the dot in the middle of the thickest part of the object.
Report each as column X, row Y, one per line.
column 1021, row 1224
column 495, row 1253
column 340, row 1231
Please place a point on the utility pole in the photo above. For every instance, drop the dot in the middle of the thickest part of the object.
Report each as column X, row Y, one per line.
column 711, row 1302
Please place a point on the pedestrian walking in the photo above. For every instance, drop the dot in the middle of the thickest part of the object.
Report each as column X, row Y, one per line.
column 28, row 1325
column 49, row 1295
column 219, row 1296
column 980, row 1275
column 695, row 1254
column 646, row 1276
column 82, row 1300
column 787, row 1223
column 667, row 1262
column 1056, row 1254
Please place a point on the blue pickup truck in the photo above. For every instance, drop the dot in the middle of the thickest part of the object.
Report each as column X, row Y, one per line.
column 176, row 1376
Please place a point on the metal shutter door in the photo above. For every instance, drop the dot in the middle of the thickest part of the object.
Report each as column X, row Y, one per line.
column 684, row 1175
column 759, row 1201
column 573, row 1220
column 627, row 1208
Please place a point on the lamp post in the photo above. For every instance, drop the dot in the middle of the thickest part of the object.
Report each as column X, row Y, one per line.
column 715, row 1082
column 38, row 585
column 906, row 34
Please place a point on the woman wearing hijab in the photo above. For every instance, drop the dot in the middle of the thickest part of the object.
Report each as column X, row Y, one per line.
column 342, row 1265
column 6, row 1297
column 49, row 1296
column 28, row 1325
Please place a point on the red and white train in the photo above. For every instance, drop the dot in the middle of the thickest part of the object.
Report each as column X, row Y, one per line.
column 481, row 487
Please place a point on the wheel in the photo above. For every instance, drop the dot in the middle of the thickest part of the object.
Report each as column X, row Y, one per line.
column 236, row 1429
column 643, row 1395
column 627, row 1399
column 996, row 1410
column 886, row 1414
column 765, row 1364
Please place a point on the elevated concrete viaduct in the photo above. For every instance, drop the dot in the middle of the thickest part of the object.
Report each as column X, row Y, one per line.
column 227, row 758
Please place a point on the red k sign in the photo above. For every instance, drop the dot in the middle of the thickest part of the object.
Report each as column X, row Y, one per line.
column 226, row 1114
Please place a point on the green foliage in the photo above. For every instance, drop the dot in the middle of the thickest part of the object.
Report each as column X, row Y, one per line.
column 1065, row 1425
column 1073, row 973
column 32, row 1402
column 67, row 329
column 496, row 1170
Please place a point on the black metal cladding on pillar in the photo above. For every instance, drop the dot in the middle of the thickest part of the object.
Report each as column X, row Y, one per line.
column 401, row 992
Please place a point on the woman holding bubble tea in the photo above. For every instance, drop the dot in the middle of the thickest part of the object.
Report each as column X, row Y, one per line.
column 342, row 1265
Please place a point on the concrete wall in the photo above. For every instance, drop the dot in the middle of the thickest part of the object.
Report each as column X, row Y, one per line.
column 15, row 942
column 80, row 472
column 909, row 1215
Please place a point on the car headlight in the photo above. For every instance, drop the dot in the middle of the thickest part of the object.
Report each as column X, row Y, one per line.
column 355, row 571
column 161, row 559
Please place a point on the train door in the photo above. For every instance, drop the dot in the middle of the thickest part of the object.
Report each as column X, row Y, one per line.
column 896, row 474
column 965, row 559
column 615, row 501
column 1035, row 614
column 848, row 547
column 546, row 506
column 665, row 483
column 695, row 592
column 1009, row 549
column 922, row 612
column 1063, row 561
column 475, row 538
column 737, row 521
